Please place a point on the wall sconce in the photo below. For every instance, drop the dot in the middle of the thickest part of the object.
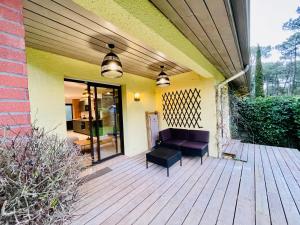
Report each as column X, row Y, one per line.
column 137, row 97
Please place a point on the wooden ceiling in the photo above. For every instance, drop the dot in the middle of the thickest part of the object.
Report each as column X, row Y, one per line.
column 210, row 26
column 64, row 28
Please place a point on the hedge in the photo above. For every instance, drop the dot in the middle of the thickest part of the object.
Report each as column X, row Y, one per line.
column 269, row 121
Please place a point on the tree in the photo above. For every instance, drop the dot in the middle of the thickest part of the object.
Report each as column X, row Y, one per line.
column 276, row 75
column 259, row 80
column 289, row 52
column 289, row 48
column 293, row 24
column 265, row 53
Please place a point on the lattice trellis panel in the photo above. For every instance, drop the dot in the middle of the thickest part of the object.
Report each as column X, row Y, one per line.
column 182, row 108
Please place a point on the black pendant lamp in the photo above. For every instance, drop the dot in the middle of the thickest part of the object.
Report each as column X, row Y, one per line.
column 111, row 66
column 162, row 79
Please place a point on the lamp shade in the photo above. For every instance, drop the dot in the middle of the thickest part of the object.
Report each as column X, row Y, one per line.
column 162, row 79
column 111, row 66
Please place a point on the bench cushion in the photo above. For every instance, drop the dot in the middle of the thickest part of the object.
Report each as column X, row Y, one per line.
column 194, row 145
column 193, row 148
column 198, row 135
column 173, row 143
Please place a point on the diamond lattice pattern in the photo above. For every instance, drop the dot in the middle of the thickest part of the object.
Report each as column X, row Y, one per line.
column 182, row 108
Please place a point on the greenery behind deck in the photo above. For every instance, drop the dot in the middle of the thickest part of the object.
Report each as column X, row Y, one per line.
column 269, row 121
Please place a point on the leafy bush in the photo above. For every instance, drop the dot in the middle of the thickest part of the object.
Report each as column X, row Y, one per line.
column 38, row 178
column 270, row 121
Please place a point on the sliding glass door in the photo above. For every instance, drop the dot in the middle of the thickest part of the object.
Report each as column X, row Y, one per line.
column 105, row 113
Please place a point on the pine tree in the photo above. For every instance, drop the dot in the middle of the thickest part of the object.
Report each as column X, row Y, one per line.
column 259, row 79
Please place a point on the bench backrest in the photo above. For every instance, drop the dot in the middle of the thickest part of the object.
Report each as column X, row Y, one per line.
column 184, row 134
column 199, row 135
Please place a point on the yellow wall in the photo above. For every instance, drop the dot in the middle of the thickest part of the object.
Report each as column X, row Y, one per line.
column 46, row 74
column 208, row 104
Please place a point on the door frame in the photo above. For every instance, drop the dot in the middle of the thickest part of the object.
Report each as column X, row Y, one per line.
column 95, row 85
column 69, row 104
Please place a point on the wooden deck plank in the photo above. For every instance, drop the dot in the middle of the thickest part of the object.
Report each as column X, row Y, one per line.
column 112, row 162
column 227, row 147
column 288, row 177
column 109, row 186
column 291, row 164
column 244, row 155
column 264, row 190
column 230, row 146
column 139, row 210
column 215, row 203
column 131, row 206
column 178, row 215
column 294, row 156
column 245, row 208
column 88, row 187
column 114, row 175
column 107, row 199
column 227, row 211
column 147, row 186
column 163, row 216
column 288, row 203
column 239, row 151
column 295, row 152
column 197, row 210
column 113, row 186
column 163, row 200
column 276, row 210
column 262, row 215
column 237, row 148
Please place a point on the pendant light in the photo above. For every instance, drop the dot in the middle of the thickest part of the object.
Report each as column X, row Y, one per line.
column 85, row 93
column 111, row 66
column 162, row 79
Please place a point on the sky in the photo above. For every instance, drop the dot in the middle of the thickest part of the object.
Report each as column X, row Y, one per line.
column 266, row 20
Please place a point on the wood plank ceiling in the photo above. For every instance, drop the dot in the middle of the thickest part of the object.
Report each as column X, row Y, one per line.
column 210, row 26
column 65, row 28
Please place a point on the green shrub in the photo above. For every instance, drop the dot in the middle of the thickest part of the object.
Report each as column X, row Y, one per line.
column 270, row 121
column 297, row 116
column 38, row 179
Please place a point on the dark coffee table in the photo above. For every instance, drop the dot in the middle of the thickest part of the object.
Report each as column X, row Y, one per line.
column 164, row 157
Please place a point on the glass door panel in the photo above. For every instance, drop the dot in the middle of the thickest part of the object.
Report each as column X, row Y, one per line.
column 106, row 122
column 108, row 117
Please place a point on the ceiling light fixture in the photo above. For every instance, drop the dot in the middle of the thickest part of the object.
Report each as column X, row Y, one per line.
column 111, row 66
column 85, row 93
column 162, row 79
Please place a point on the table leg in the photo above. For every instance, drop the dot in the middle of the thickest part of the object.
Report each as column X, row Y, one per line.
column 181, row 161
column 168, row 171
column 147, row 164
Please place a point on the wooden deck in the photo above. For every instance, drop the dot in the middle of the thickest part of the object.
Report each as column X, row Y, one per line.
column 264, row 190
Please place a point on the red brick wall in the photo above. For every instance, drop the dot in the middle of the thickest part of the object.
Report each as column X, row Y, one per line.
column 14, row 101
